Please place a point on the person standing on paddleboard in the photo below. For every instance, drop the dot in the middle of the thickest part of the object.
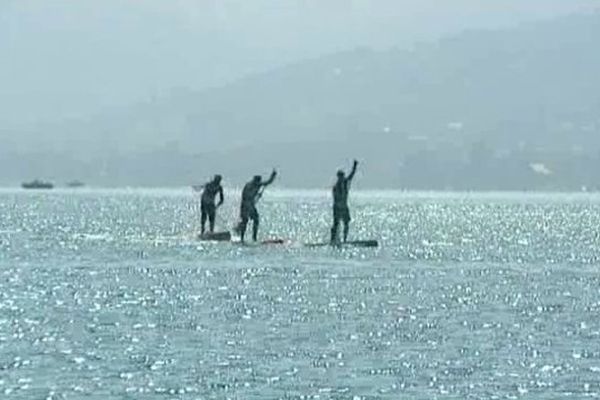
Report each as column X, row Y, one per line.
column 251, row 193
column 341, row 212
column 207, row 202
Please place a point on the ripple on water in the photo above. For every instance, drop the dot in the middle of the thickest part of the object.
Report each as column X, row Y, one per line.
column 107, row 295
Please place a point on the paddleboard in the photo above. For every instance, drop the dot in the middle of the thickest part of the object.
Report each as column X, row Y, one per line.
column 274, row 241
column 216, row 237
column 267, row 242
column 353, row 243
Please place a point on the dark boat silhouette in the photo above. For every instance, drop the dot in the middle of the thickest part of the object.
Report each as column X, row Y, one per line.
column 75, row 184
column 37, row 184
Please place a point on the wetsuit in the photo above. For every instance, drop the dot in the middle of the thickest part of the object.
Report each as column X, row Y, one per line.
column 250, row 195
column 208, row 207
column 341, row 212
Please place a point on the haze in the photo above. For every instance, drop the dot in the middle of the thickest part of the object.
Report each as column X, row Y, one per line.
column 98, row 62
column 65, row 58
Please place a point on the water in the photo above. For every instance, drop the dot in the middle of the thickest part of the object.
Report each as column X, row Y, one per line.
column 106, row 295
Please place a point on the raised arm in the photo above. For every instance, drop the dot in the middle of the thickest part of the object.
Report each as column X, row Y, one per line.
column 221, row 196
column 353, row 172
column 271, row 179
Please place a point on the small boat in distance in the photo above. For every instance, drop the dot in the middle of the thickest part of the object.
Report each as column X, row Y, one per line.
column 37, row 184
column 75, row 184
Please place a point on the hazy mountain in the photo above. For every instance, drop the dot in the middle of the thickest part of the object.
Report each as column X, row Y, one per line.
column 514, row 108
column 65, row 58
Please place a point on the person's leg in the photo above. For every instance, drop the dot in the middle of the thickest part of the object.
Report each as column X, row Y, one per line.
column 346, row 230
column 346, row 224
column 243, row 225
column 203, row 220
column 211, row 217
column 334, row 228
column 255, row 225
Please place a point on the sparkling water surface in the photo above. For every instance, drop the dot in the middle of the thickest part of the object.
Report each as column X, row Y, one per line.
column 106, row 294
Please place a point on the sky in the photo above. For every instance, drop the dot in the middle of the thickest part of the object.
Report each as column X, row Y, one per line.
column 73, row 58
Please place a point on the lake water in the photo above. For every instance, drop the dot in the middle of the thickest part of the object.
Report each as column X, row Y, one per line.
column 105, row 294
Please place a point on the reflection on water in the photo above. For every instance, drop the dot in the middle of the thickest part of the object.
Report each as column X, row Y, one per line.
column 106, row 294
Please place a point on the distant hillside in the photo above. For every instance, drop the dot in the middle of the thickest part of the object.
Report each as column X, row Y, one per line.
column 516, row 109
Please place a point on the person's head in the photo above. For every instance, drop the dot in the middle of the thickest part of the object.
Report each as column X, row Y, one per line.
column 257, row 179
column 340, row 174
column 218, row 179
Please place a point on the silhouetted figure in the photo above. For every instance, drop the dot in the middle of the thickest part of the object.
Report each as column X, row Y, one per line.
column 250, row 195
column 208, row 206
column 341, row 212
